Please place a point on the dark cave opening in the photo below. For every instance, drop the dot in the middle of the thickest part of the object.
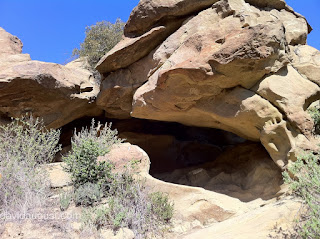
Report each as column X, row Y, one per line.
column 213, row 159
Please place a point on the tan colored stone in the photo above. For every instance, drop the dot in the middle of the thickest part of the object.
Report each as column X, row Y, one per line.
column 59, row 94
column 116, row 94
column 192, row 203
column 125, row 155
column 292, row 94
column 277, row 4
column 239, row 110
column 125, row 233
column 57, row 176
column 258, row 223
column 190, row 76
column 152, row 12
column 306, row 60
column 296, row 27
column 231, row 44
column 117, row 89
column 130, row 50
column 278, row 141
column 9, row 44
column 39, row 229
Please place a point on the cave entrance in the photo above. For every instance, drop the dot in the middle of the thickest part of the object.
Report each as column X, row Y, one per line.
column 213, row 159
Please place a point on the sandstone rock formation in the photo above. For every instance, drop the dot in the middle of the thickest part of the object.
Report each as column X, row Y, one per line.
column 237, row 65
column 259, row 223
column 241, row 66
column 59, row 94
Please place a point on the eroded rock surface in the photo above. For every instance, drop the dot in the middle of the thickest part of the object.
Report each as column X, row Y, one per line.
column 58, row 94
column 236, row 65
column 263, row 222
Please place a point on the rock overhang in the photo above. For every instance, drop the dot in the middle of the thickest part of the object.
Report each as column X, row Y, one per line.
column 207, row 71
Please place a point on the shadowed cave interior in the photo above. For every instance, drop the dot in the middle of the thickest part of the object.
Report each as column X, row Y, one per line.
column 213, row 159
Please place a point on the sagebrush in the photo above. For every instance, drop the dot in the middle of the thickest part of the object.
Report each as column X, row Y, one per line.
column 86, row 146
column 130, row 205
column 87, row 194
column 306, row 185
column 25, row 146
column 65, row 199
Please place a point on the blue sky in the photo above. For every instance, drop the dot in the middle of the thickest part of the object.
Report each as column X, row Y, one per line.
column 51, row 29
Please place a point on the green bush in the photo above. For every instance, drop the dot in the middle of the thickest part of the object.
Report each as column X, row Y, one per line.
column 161, row 207
column 87, row 194
column 86, row 146
column 100, row 39
column 93, row 218
column 315, row 115
column 129, row 203
column 25, row 145
column 131, row 206
column 306, row 185
column 65, row 200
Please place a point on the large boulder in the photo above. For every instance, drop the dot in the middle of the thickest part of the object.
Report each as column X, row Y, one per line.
column 9, row 44
column 228, row 67
column 306, row 60
column 149, row 13
column 59, row 94
column 292, row 94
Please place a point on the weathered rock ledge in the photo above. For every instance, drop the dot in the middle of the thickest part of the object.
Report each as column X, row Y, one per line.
column 59, row 94
column 235, row 65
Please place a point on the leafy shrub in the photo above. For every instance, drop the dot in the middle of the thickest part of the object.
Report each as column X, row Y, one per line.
column 315, row 115
column 25, row 145
column 306, row 185
column 65, row 200
column 131, row 206
column 93, row 218
column 100, row 39
column 161, row 207
column 87, row 194
column 86, row 146
column 27, row 139
column 129, row 203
